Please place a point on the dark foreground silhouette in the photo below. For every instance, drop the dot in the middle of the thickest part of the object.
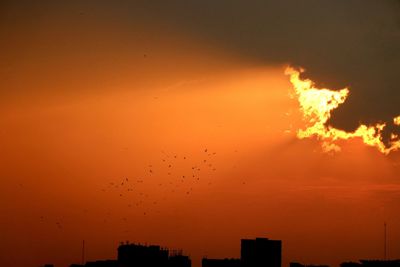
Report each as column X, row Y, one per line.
column 259, row 252
column 253, row 253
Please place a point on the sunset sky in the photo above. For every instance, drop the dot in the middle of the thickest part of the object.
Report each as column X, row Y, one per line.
column 173, row 123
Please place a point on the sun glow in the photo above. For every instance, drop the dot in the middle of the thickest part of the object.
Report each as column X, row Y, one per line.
column 316, row 105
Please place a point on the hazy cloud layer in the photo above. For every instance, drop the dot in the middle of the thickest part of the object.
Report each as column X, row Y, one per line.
column 340, row 43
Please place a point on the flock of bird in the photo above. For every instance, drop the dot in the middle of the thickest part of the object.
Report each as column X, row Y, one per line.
column 173, row 175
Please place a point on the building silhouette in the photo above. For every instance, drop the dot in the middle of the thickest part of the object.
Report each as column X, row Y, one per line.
column 259, row 252
column 136, row 255
column 142, row 256
column 179, row 260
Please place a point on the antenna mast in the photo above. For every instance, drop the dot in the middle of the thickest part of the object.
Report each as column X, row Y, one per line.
column 83, row 252
column 385, row 241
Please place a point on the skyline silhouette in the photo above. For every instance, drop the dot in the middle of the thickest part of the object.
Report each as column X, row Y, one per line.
column 258, row 252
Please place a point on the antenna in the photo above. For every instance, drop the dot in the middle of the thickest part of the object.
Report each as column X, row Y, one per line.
column 385, row 241
column 83, row 252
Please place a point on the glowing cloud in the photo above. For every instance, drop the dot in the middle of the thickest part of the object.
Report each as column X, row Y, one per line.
column 396, row 121
column 316, row 105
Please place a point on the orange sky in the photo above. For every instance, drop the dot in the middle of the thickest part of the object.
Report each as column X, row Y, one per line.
column 83, row 108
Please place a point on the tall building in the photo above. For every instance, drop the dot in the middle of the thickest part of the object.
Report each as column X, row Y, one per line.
column 261, row 252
